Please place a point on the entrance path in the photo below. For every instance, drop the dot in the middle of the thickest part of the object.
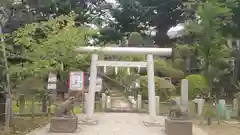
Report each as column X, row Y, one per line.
column 119, row 101
column 116, row 124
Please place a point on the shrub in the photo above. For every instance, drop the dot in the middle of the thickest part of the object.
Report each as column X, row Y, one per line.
column 162, row 87
column 196, row 85
column 135, row 39
column 167, row 69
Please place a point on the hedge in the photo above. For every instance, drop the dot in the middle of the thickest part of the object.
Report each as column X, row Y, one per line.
column 160, row 87
column 196, row 85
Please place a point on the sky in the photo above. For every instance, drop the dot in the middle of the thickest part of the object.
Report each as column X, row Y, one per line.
column 111, row 1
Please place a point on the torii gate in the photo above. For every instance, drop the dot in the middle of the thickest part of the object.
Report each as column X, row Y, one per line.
column 149, row 64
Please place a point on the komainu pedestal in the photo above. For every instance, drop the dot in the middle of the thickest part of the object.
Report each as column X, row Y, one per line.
column 178, row 127
column 64, row 124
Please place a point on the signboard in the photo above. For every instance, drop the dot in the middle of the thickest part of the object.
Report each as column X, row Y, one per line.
column 76, row 81
column 98, row 84
column 52, row 86
column 52, row 80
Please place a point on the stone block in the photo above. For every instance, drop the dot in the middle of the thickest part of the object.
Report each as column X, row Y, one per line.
column 178, row 127
column 157, row 104
column 139, row 102
column 63, row 124
column 108, row 102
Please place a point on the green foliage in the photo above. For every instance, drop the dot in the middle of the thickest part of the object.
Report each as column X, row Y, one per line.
column 49, row 45
column 135, row 39
column 162, row 87
column 210, row 42
column 196, row 85
column 139, row 15
column 209, row 112
column 108, row 35
column 207, row 31
column 182, row 51
column 167, row 69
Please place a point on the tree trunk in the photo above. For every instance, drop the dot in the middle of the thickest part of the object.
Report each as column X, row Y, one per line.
column 21, row 103
column 2, row 107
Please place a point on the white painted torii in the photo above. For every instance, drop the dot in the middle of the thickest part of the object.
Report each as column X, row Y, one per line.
column 123, row 51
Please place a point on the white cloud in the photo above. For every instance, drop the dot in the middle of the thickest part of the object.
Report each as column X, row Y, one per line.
column 176, row 31
column 111, row 1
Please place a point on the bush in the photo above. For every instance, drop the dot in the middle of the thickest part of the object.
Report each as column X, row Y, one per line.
column 135, row 39
column 167, row 69
column 196, row 85
column 160, row 87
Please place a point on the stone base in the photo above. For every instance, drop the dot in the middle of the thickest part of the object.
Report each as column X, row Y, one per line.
column 178, row 127
column 153, row 123
column 63, row 124
column 88, row 122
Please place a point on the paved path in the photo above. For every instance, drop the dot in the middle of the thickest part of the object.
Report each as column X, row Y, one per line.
column 118, row 101
column 116, row 124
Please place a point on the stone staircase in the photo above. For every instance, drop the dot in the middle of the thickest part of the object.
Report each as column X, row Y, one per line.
column 119, row 102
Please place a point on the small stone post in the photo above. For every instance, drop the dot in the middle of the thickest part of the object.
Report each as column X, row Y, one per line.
column 108, row 103
column 139, row 102
column 200, row 106
column 235, row 104
column 21, row 103
column 184, row 95
column 134, row 103
column 157, row 104
column 103, row 101
column 85, row 102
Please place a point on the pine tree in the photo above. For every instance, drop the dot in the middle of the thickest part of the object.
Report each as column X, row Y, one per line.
column 5, row 93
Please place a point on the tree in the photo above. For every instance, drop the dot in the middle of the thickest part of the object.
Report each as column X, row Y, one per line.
column 197, row 85
column 183, row 57
column 50, row 45
column 206, row 29
column 27, row 11
column 108, row 35
column 135, row 39
column 140, row 15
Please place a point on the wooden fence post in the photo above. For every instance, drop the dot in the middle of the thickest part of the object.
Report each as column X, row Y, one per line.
column 44, row 104
column 49, row 105
column 33, row 107
column 21, row 103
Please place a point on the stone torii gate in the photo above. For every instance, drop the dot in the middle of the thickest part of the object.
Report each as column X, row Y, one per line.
column 149, row 64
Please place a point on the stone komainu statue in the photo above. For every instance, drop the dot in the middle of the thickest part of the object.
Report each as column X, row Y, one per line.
column 175, row 110
column 65, row 108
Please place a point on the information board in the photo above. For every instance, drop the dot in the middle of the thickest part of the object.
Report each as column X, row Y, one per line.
column 52, row 80
column 76, row 81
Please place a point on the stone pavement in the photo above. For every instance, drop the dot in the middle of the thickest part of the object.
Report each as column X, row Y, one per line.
column 116, row 124
column 118, row 101
column 120, row 104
